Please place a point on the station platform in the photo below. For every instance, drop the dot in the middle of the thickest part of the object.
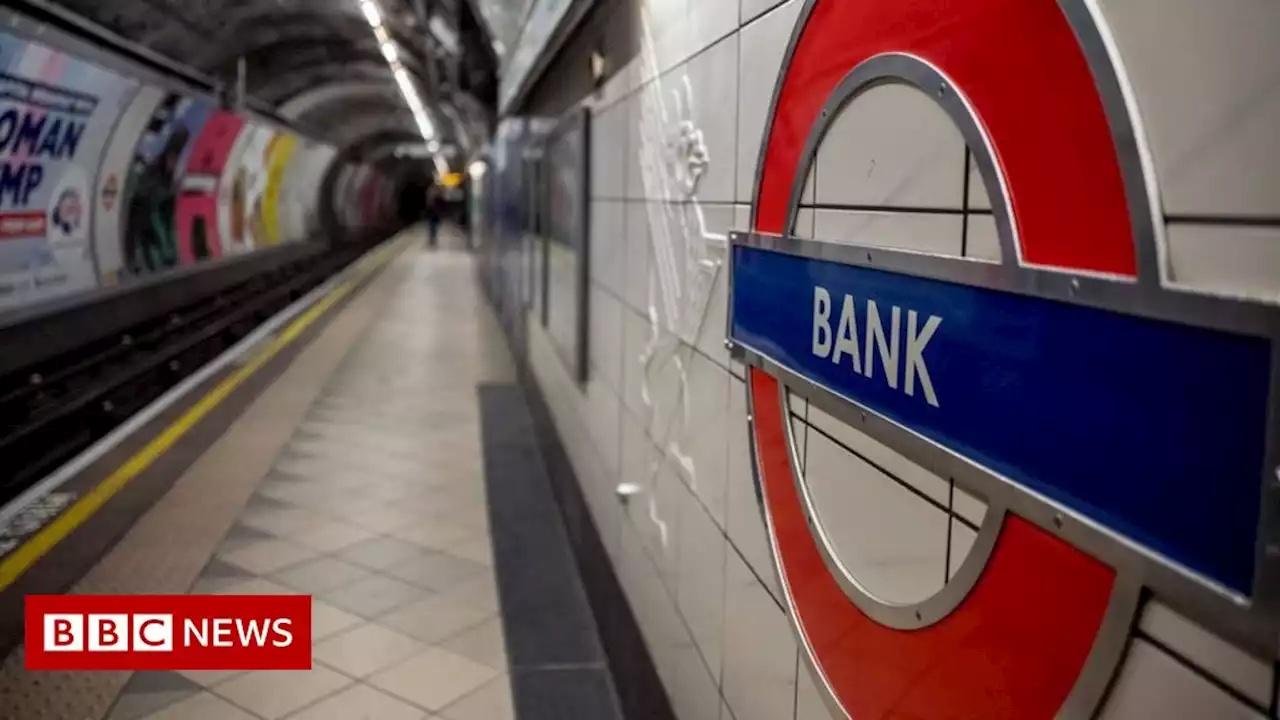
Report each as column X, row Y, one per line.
column 380, row 462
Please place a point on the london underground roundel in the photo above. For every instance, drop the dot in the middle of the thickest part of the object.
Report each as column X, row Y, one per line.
column 1120, row 431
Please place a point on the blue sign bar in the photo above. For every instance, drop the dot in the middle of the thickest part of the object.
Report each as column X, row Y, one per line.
column 1152, row 428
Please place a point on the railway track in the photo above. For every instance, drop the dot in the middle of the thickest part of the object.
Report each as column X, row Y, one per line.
column 55, row 404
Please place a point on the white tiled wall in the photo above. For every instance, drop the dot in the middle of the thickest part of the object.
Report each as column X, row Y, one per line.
column 690, row 549
column 1206, row 80
column 892, row 146
column 1154, row 684
column 665, row 408
column 766, row 38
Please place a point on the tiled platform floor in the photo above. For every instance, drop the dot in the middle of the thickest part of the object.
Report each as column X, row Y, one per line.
column 376, row 507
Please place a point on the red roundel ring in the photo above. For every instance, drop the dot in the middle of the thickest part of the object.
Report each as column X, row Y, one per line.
column 1035, row 635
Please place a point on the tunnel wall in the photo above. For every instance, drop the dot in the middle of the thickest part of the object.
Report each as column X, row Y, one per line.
column 663, row 406
column 110, row 173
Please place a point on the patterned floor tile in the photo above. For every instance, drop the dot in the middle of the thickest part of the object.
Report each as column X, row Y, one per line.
column 332, row 536
column 435, row 571
column 365, row 649
column 483, row 643
column 490, row 702
column 219, row 575
column 373, row 596
column 319, row 574
column 284, row 522
column 260, row 503
column 257, row 586
column 437, row 617
column 384, row 517
column 150, row 692
column 209, row 678
column 434, row 679
column 434, row 533
column 381, row 553
column 361, row 702
column 478, row 549
column 241, row 535
column 275, row 693
column 204, row 706
column 327, row 620
column 268, row 556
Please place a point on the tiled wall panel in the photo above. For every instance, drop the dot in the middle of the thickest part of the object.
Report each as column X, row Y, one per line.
column 665, row 411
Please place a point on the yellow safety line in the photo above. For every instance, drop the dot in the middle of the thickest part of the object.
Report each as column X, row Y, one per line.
column 35, row 547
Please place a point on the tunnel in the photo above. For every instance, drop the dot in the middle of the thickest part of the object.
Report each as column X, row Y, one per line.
column 639, row 359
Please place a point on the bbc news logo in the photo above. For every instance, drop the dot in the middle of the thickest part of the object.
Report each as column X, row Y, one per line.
column 142, row 632
column 168, row 632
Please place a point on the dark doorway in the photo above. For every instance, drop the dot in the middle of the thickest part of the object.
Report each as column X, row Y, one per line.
column 412, row 202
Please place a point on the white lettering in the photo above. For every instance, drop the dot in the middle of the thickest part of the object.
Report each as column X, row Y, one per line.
column 109, row 633
column 199, row 632
column 847, row 336
column 888, row 350
column 281, row 628
column 251, row 631
column 63, row 632
column 222, row 628
column 152, row 633
column 916, row 367
column 821, row 321
column 226, row 631
column 876, row 340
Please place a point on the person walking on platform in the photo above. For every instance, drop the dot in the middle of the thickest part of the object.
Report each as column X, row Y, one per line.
column 433, row 216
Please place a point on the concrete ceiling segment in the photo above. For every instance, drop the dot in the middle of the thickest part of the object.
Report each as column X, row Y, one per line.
column 350, row 97
column 335, row 125
column 291, row 55
column 222, row 20
column 254, row 32
column 504, row 20
column 280, row 90
column 319, row 96
column 353, row 131
column 296, row 47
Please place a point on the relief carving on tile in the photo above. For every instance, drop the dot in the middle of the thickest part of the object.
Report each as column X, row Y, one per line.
column 686, row 259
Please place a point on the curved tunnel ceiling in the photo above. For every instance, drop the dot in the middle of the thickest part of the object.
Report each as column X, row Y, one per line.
column 317, row 62
column 322, row 97
column 504, row 20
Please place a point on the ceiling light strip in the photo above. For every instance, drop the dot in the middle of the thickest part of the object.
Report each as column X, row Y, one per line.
column 391, row 52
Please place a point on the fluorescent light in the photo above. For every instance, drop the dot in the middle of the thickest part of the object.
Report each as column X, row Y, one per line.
column 392, row 53
column 424, row 125
column 371, row 13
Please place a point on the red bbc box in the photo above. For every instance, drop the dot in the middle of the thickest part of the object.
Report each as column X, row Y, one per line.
column 168, row 632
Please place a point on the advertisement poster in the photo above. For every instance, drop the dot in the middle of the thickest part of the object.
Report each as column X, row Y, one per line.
column 241, row 189
column 56, row 113
column 309, row 190
column 301, row 183
column 370, row 197
column 197, row 220
column 278, row 156
column 343, row 197
column 231, row 192
column 150, row 236
column 289, row 214
column 370, row 194
column 108, row 218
